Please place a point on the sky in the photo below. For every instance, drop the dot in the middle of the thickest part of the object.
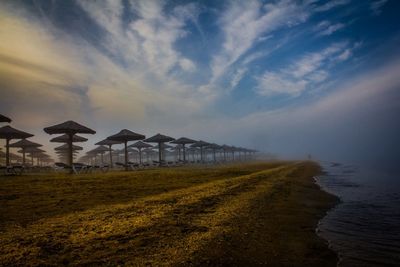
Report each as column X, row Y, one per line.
column 285, row 77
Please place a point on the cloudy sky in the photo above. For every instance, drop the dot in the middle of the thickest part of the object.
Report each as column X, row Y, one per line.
column 286, row 77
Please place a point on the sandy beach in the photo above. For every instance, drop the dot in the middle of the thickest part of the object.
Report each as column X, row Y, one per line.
column 253, row 214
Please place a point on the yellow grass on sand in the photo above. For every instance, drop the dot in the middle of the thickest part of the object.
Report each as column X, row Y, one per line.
column 253, row 214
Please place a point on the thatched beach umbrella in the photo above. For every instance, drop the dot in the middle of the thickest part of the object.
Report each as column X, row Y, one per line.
column 124, row 136
column 43, row 158
column 139, row 145
column 15, row 157
column 108, row 143
column 9, row 133
column 214, row 147
column 201, row 144
column 24, row 144
column 183, row 141
column 133, row 152
column 233, row 150
column 69, row 128
column 159, row 139
column 33, row 151
column 193, row 151
column 65, row 138
column 165, row 146
column 149, row 153
column 226, row 148
column 164, row 151
column 4, row 119
column 100, row 150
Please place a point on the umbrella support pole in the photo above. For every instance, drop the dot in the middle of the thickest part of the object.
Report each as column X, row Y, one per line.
column 159, row 153
column 184, row 153
column 70, row 156
column 7, row 152
column 126, row 156
column 23, row 157
column 110, row 151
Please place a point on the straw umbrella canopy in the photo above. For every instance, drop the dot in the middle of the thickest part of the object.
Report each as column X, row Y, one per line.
column 23, row 144
column 64, row 151
column 201, row 144
column 66, row 147
column 139, row 145
column 108, row 143
column 159, row 139
column 9, row 133
column 4, row 119
column 70, row 128
column 124, row 136
column 65, row 138
column 183, row 141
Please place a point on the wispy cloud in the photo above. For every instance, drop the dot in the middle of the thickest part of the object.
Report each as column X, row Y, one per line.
column 325, row 28
column 76, row 79
column 310, row 69
column 331, row 4
column 238, row 76
column 376, row 7
column 243, row 23
column 291, row 131
column 148, row 40
column 271, row 83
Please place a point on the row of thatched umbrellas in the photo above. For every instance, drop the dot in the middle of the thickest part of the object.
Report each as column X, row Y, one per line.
column 68, row 134
column 9, row 133
column 70, row 129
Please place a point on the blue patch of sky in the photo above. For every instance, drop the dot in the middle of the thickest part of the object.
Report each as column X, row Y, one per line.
column 362, row 27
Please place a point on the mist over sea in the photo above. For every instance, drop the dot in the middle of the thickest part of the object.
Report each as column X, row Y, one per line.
column 364, row 229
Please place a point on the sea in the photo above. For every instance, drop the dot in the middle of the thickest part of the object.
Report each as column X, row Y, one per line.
column 364, row 228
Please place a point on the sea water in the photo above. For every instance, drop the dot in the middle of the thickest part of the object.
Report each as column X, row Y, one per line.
column 364, row 229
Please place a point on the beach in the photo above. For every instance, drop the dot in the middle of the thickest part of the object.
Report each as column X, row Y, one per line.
column 242, row 214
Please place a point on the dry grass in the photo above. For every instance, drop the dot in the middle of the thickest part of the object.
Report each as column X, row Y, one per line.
column 177, row 216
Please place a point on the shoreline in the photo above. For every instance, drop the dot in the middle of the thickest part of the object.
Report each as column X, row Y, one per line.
column 253, row 214
column 317, row 229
